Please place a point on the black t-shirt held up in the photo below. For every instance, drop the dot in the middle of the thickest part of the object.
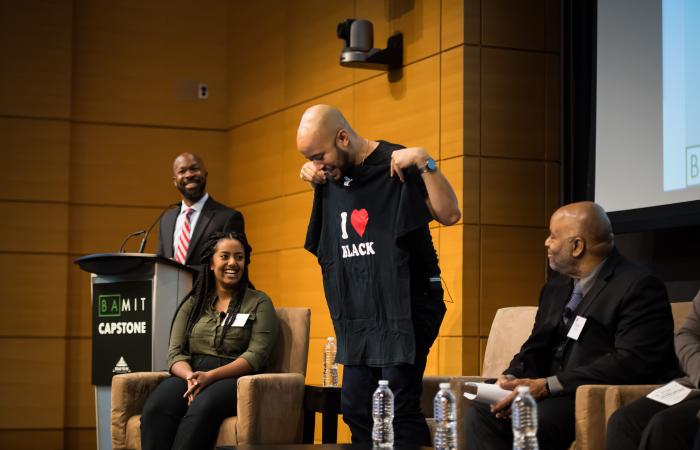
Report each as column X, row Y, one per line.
column 370, row 234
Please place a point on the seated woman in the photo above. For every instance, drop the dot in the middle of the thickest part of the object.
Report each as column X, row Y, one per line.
column 223, row 330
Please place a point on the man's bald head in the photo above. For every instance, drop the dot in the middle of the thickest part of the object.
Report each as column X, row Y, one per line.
column 590, row 221
column 580, row 237
column 319, row 124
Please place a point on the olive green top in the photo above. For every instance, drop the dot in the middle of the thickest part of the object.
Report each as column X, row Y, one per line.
column 253, row 341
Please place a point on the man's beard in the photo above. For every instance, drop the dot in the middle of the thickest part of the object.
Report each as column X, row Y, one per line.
column 195, row 194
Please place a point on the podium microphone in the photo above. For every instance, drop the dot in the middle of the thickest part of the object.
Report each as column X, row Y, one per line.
column 148, row 231
column 126, row 239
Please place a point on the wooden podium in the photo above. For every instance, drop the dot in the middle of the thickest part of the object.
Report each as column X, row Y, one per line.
column 134, row 299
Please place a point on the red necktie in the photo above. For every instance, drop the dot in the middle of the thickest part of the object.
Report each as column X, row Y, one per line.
column 183, row 241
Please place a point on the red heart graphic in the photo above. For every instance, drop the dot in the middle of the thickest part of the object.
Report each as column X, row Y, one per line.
column 359, row 219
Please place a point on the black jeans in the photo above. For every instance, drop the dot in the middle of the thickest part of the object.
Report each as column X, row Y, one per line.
column 168, row 423
column 405, row 381
column 647, row 424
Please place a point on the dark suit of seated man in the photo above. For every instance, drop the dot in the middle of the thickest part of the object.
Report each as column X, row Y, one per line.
column 627, row 337
column 184, row 230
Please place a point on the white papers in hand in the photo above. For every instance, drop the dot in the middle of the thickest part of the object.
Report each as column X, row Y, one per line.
column 485, row 393
column 669, row 394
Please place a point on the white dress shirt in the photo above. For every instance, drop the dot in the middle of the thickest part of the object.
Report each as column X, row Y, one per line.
column 180, row 222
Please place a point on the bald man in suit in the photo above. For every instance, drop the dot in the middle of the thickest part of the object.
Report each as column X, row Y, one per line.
column 184, row 230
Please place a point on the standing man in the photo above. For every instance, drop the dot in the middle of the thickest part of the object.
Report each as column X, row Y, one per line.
column 184, row 230
column 373, row 201
column 601, row 320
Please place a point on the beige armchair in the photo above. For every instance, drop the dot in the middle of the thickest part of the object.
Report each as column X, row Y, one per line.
column 594, row 403
column 269, row 404
column 510, row 328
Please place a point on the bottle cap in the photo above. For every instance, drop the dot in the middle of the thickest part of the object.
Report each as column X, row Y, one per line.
column 384, row 382
column 444, row 385
column 331, row 339
column 522, row 389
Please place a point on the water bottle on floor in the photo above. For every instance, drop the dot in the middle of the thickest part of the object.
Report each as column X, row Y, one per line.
column 445, row 414
column 524, row 418
column 330, row 367
column 383, row 414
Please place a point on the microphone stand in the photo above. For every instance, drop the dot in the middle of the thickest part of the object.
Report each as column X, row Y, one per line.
column 148, row 231
column 126, row 239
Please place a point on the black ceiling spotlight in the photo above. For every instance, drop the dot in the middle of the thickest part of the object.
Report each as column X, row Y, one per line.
column 359, row 51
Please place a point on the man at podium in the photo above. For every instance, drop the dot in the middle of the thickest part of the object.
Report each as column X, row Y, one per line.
column 184, row 229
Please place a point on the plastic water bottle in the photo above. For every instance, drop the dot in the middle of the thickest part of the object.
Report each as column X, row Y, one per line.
column 330, row 367
column 445, row 414
column 383, row 414
column 524, row 417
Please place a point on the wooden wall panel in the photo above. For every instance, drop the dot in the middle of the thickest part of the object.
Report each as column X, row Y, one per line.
column 140, row 62
column 256, row 62
column 34, row 227
column 513, row 24
column 452, row 103
column 301, row 277
column 38, row 153
column 79, row 392
column 511, row 269
column 405, row 112
column 35, row 47
column 256, row 160
column 450, row 246
column 80, row 439
column 513, row 192
column 460, row 104
column 458, row 356
column 101, row 229
column 513, row 103
column 265, row 274
column 33, row 292
column 263, row 224
column 552, row 201
column 31, row 439
column 552, row 25
column 312, row 51
column 294, row 215
column 134, row 165
column 552, row 107
column 79, row 306
column 471, row 286
column 33, row 378
column 452, row 23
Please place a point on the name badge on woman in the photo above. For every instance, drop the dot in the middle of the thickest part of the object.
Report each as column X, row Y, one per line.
column 240, row 320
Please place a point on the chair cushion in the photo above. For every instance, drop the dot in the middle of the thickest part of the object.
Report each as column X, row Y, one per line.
column 133, row 432
column 227, row 432
column 510, row 329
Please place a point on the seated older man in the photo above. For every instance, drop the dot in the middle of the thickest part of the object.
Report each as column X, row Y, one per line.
column 626, row 335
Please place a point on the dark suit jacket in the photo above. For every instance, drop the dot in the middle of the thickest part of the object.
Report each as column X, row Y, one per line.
column 627, row 338
column 213, row 217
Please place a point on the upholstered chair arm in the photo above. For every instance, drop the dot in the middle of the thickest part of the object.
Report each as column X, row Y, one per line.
column 270, row 408
column 129, row 393
column 594, row 406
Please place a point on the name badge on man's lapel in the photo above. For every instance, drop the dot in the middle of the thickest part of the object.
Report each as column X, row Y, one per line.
column 576, row 328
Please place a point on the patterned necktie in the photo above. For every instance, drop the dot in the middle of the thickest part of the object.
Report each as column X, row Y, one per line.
column 183, row 241
column 574, row 301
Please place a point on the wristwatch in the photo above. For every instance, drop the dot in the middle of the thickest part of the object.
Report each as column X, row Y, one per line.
column 430, row 166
